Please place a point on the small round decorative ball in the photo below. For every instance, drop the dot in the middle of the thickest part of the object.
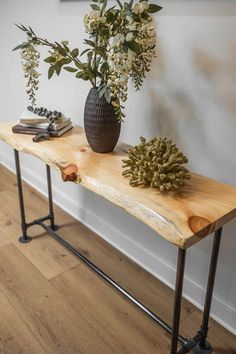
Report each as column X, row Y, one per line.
column 157, row 163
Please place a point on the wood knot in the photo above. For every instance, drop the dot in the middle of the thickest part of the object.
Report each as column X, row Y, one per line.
column 69, row 173
column 199, row 225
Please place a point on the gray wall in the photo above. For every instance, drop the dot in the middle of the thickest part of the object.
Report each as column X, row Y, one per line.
column 190, row 95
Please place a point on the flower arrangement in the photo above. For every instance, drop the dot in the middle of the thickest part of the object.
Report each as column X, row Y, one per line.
column 121, row 45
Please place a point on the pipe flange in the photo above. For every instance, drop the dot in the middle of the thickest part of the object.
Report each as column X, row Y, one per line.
column 207, row 349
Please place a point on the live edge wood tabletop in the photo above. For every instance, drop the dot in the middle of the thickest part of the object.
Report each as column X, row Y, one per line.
column 184, row 218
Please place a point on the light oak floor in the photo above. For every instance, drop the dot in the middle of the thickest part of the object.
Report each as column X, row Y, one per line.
column 51, row 303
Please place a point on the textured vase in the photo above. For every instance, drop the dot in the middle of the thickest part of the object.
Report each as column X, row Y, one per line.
column 102, row 128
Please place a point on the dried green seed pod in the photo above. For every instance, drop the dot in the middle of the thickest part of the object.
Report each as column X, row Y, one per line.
column 157, row 163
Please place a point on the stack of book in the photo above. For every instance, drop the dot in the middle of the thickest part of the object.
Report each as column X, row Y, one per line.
column 31, row 123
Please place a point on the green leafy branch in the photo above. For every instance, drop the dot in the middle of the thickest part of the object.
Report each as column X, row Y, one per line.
column 60, row 56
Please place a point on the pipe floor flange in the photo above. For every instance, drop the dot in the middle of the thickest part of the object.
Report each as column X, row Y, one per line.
column 203, row 350
column 55, row 227
column 25, row 239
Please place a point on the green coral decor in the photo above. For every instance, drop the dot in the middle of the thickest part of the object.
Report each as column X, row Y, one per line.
column 157, row 163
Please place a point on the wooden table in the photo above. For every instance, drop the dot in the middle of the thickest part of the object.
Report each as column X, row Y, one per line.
column 202, row 207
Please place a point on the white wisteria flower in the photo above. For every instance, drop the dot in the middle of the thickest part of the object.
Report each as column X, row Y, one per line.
column 93, row 20
column 30, row 62
column 129, row 37
column 117, row 40
column 130, row 53
column 140, row 7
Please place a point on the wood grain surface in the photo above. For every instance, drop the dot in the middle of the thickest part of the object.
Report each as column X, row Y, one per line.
column 183, row 218
column 51, row 306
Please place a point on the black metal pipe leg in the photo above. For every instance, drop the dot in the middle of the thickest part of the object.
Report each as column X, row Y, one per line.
column 203, row 346
column 177, row 300
column 50, row 200
column 24, row 238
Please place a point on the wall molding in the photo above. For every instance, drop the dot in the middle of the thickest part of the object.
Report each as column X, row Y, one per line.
column 222, row 312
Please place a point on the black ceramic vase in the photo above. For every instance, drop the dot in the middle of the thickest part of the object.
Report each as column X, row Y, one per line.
column 102, row 128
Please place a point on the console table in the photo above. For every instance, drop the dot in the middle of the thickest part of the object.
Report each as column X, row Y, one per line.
column 201, row 208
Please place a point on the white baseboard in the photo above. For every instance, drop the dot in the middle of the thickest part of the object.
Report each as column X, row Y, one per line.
column 222, row 312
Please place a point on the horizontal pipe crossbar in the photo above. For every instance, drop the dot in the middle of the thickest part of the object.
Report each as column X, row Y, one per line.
column 109, row 280
column 38, row 221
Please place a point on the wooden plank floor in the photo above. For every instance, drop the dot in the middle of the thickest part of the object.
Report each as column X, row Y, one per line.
column 51, row 303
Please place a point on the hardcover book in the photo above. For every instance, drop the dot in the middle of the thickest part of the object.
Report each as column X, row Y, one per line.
column 20, row 129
